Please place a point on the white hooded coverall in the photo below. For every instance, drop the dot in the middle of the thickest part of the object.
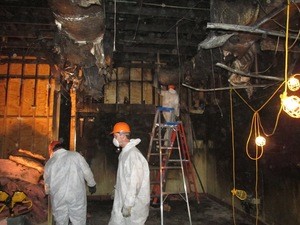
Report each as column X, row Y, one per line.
column 170, row 100
column 65, row 175
column 132, row 187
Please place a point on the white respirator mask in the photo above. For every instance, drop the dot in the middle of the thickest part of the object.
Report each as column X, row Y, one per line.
column 116, row 143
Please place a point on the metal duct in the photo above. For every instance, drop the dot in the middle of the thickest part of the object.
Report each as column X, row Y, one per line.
column 80, row 23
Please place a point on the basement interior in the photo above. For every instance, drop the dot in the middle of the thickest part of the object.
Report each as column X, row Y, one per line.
column 149, row 112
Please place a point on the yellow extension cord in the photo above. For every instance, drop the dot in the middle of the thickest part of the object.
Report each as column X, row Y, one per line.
column 257, row 126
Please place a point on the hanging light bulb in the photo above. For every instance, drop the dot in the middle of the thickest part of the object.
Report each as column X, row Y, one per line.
column 293, row 83
column 260, row 141
column 291, row 105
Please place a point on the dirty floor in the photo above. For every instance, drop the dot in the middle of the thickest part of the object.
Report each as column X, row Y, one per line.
column 208, row 212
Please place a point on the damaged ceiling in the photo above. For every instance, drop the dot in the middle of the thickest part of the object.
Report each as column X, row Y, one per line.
column 242, row 42
column 128, row 31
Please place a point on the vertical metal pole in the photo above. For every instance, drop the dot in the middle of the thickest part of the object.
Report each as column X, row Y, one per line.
column 183, row 177
column 160, row 170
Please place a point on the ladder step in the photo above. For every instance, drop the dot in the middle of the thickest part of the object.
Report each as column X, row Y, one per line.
column 154, row 182
column 173, row 154
column 178, row 160
column 160, row 139
column 158, row 154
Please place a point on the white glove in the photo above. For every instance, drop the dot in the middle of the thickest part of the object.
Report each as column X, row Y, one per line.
column 126, row 211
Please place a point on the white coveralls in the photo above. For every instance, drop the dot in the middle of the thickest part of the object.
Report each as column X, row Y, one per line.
column 170, row 100
column 65, row 175
column 132, row 187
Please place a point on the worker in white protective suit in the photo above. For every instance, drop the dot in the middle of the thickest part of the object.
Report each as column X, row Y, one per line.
column 170, row 99
column 66, row 174
column 132, row 189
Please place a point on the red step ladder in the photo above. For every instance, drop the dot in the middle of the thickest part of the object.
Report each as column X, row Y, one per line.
column 169, row 152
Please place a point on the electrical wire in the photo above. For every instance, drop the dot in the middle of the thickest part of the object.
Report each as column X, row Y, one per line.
column 115, row 24
column 256, row 125
column 233, row 156
column 287, row 44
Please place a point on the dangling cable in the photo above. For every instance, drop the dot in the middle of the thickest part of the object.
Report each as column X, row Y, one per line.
column 115, row 24
column 233, row 156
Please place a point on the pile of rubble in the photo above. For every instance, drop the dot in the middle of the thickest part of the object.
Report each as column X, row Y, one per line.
column 23, row 172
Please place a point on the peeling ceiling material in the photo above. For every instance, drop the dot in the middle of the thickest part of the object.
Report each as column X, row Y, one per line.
column 240, row 30
column 144, row 29
column 81, row 30
column 246, row 36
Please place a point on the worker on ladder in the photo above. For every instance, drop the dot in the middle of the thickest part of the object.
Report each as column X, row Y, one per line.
column 170, row 99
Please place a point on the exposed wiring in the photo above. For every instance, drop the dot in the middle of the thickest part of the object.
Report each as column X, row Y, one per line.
column 287, row 44
column 256, row 124
column 233, row 156
column 115, row 24
column 256, row 188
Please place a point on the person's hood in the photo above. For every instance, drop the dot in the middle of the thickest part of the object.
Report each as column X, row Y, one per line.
column 132, row 143
column 57, row 152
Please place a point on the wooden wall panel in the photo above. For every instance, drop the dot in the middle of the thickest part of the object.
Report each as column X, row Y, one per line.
column 2, row 136
column 135, row 93
column 147, row 75
column 12, row 135
column 30, row 70
column 73, row 133
column 26, row 133
column 25, row 118
column 136, row 74
column 2, row 96
column 3, row 68
column 41, row 135
column 43, row 69
column 13, row 97
column 123, row 92
column 148, row 94
column 110, row 93
column 15, row 69
column 51, row 88
column 27, row 98
column 42, row 98
column 73, row 121
column 123, row 74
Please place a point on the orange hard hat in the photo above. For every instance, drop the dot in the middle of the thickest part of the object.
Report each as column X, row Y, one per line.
column 121, row 127
column 171, row 86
